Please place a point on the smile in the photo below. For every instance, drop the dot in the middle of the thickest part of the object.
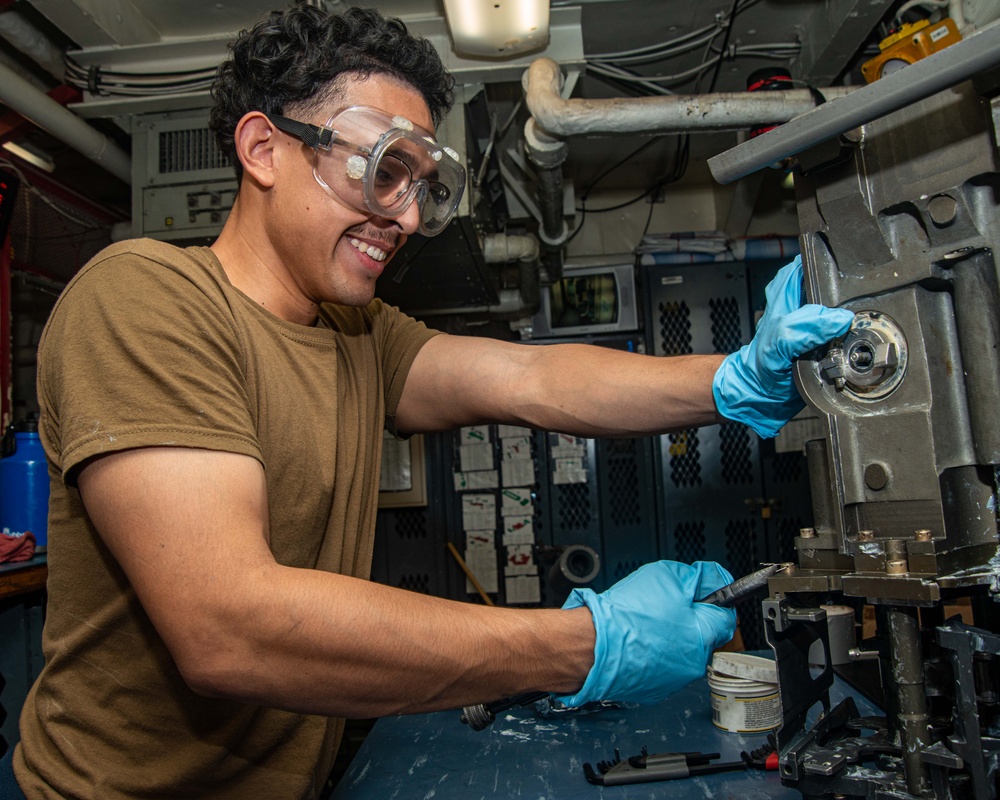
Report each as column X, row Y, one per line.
column 369, row 249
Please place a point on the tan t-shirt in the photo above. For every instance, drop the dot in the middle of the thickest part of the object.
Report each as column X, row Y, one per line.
column 151, row 345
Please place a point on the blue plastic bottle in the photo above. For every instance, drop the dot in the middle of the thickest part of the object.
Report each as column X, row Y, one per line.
column 24, row 486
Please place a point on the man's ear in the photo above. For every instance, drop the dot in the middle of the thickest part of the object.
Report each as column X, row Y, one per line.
column 255, row 140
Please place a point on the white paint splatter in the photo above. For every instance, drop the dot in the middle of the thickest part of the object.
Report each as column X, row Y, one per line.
column 418, row 763
column 361, row 776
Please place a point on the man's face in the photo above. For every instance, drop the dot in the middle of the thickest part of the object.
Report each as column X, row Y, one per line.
column 333, row 252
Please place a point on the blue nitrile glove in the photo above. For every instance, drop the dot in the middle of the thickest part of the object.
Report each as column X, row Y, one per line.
column 652, row 638
column 754, row 385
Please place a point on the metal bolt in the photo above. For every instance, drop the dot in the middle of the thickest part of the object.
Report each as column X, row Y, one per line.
column 807, row 533
column 866, row 536
column 876, row 477
column 895, row 557
column 922, row 535
column 942, row 210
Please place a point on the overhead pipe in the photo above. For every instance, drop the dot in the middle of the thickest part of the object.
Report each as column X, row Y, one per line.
column 554, row 117
column 40, row 109
column 663, row 114
column 22, row 35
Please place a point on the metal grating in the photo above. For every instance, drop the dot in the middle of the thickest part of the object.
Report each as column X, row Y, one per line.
column 675, row 328
column 727, row 336
column 741, row 552
column 689, row 538
column 416, row 582
column 189, row 151
column 623, row 482
column 786, row 531
column 410, row 523
column 574, row 506
column 53, row 237
column 685, row 460
column 734, row 444
column 624, row 569
column 787, row 467
column 741, row 546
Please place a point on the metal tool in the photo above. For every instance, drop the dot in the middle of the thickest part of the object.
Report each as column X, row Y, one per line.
column 645, row 768
column 483, row 715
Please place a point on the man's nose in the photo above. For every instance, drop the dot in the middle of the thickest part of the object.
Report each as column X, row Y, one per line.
column 409, row 220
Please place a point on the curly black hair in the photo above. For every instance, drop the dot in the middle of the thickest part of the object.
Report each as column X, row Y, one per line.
column 295, row 56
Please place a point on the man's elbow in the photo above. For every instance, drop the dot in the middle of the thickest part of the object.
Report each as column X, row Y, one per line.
column 215, row 669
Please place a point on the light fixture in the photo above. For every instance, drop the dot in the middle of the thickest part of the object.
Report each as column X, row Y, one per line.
column 33, row 155
column 497, row 28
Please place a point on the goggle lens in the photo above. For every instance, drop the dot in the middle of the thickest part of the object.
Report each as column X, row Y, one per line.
column 394, row 164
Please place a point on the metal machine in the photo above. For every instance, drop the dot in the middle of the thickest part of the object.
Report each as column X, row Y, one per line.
column 900, row 220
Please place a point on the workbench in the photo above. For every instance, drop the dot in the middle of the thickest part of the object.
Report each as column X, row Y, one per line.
column 522, row 755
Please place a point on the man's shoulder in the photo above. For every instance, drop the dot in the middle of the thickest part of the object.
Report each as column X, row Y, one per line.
column 153, row 253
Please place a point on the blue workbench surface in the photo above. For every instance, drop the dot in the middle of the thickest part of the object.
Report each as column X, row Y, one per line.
column 522, row 755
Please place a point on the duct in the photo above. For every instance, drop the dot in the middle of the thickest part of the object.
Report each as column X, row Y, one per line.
column 50, row 116
column 24, row 36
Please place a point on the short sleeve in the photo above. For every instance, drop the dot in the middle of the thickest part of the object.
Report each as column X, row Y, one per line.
column 139, row 353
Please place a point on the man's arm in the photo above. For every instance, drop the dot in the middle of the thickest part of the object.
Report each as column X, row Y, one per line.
column 579, row 389
column 593, row 391
column 190, row 529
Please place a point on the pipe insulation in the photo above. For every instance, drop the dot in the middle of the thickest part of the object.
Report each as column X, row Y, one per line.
column 50, row 116
column 24, row 36
column 668, row 114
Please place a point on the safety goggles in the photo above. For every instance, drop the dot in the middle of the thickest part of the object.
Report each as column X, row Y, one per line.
column 383, row 164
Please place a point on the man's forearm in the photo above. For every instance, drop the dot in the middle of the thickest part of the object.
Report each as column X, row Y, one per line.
column 594, row 391
column 329, row 644
column 580, row 389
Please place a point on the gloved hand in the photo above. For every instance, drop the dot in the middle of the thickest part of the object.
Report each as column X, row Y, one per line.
column 754, row 385
column 652, row 638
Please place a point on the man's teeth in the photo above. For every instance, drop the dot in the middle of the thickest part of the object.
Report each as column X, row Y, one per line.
column 368, row 249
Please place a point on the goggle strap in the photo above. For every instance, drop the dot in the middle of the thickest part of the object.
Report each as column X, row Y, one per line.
column 314, row 136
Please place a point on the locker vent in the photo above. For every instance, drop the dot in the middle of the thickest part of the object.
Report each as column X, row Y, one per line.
column 410, row 523
column 787, row 467
column 689, row 538
column 189, row 151
column 734, row 444
column 623, row 569
column 574, row 506
column 685, row 466
column 419, row 582
column 675, row 328
column 787, row 530
column 741, row 552
column 725, row 315
column 623, row 483
column 741, row 546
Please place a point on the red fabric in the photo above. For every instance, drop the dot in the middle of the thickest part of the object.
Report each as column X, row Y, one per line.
column 17, row 548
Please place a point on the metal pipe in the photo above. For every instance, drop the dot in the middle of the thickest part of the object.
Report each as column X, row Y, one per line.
column 50, row 116
column 906, row 677
column 548, row 153
column 24, row 36
column 727, row 111
column 942, row 70
column 554, row 116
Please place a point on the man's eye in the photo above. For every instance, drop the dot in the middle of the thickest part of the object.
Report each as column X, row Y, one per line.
column 439, row 192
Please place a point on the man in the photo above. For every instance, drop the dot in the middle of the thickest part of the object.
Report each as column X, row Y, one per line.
column 212, row 417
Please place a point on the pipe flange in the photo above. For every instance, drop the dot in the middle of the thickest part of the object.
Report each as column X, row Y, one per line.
column 543, row 150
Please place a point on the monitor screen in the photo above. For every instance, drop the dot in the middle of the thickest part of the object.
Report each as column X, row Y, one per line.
column 583, row 300
column 588, row 300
